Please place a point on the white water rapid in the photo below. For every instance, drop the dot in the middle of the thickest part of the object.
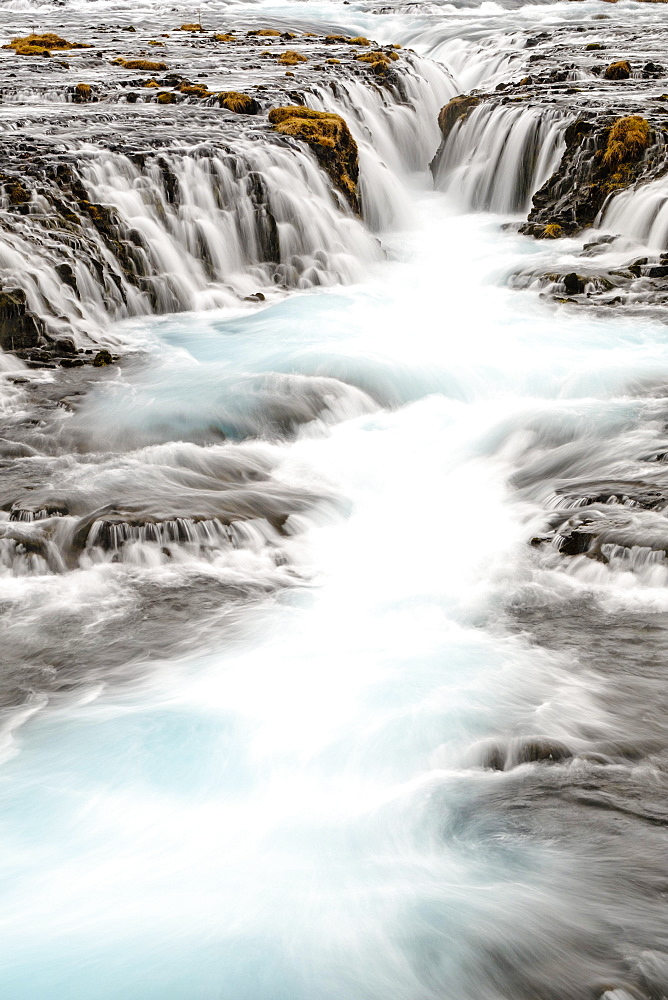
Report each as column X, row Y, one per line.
column 280, row 658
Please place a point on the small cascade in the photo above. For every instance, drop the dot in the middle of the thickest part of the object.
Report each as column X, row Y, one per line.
column 179, row 231
column 640, row 213
column 152, row 543
column 396, row 132
column 497, row 156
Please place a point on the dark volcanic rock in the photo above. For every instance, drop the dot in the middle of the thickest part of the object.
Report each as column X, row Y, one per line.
column 18, row 328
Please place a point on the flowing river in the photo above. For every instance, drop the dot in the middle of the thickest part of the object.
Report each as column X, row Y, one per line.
column 252, row 764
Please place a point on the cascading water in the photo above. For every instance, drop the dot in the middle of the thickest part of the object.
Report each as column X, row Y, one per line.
column 496, row 158
column 334, row 624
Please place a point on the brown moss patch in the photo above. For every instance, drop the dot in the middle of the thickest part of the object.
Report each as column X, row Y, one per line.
column 291, row 58
column 194, row 90
column 265, row 33
column 166, row 98
column 330, row 139
column 358, row 40
column 241, row 104
column 618, row 70
column 42, row 45
column 333, row 62
column 14, row 190
column 151, row 83
column 627, row 141
column 224, row 38
column 378, row 57
column 82, row 93
column 191, row 27
column 145, row 64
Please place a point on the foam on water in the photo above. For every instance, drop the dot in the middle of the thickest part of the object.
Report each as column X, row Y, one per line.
column 292, row 813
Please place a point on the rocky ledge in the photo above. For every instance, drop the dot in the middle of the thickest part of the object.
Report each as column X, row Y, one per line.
column 593, row 103
column 91, row 121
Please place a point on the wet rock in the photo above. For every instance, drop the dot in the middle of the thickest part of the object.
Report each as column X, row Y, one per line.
column 102, row 358
column 65, row 346
column 574, row 283
column 18, row 327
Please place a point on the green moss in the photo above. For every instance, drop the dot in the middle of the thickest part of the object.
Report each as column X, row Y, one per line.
column 593, row 47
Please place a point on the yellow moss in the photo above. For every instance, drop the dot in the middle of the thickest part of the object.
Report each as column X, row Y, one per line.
column 83, row 91
column 309, row 34
column 224, row 38
column 289, row 73
column 241, row 104
column 290, row 58
column 153, row 42
column 358, row 40
column 42, row 45
column 378, row 57
column 191, row 27
column 552, row 231
column 395, row 46
column 166, row 98
column 618, row 70
column 627, row 141
column 265, row 33
column 333, row 62
column 330, row 137
column 151, row 83
column 335, row 38
column 194, row 89
column 146, row 64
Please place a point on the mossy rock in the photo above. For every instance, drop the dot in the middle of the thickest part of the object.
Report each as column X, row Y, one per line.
column 453, row 111
column 194, row 90
column 333, row 62
column 191, row 27
column 618, row 70
column 226, row 37
column 291, row 58
column 627, row 141
column 358, row 40
column 42, row 45
column 241, row 104
column 330, row 139
column 18, row 328
column 14, row 190
column 145, row 64
column 265, row 33
column 593, row 47
column 82, row 93
column 167, row 97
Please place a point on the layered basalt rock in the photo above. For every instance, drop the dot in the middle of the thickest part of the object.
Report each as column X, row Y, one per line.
column 152, row 97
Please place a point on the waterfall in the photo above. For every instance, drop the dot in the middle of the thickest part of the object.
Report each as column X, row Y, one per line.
column 498, row 156
column 640, row 213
